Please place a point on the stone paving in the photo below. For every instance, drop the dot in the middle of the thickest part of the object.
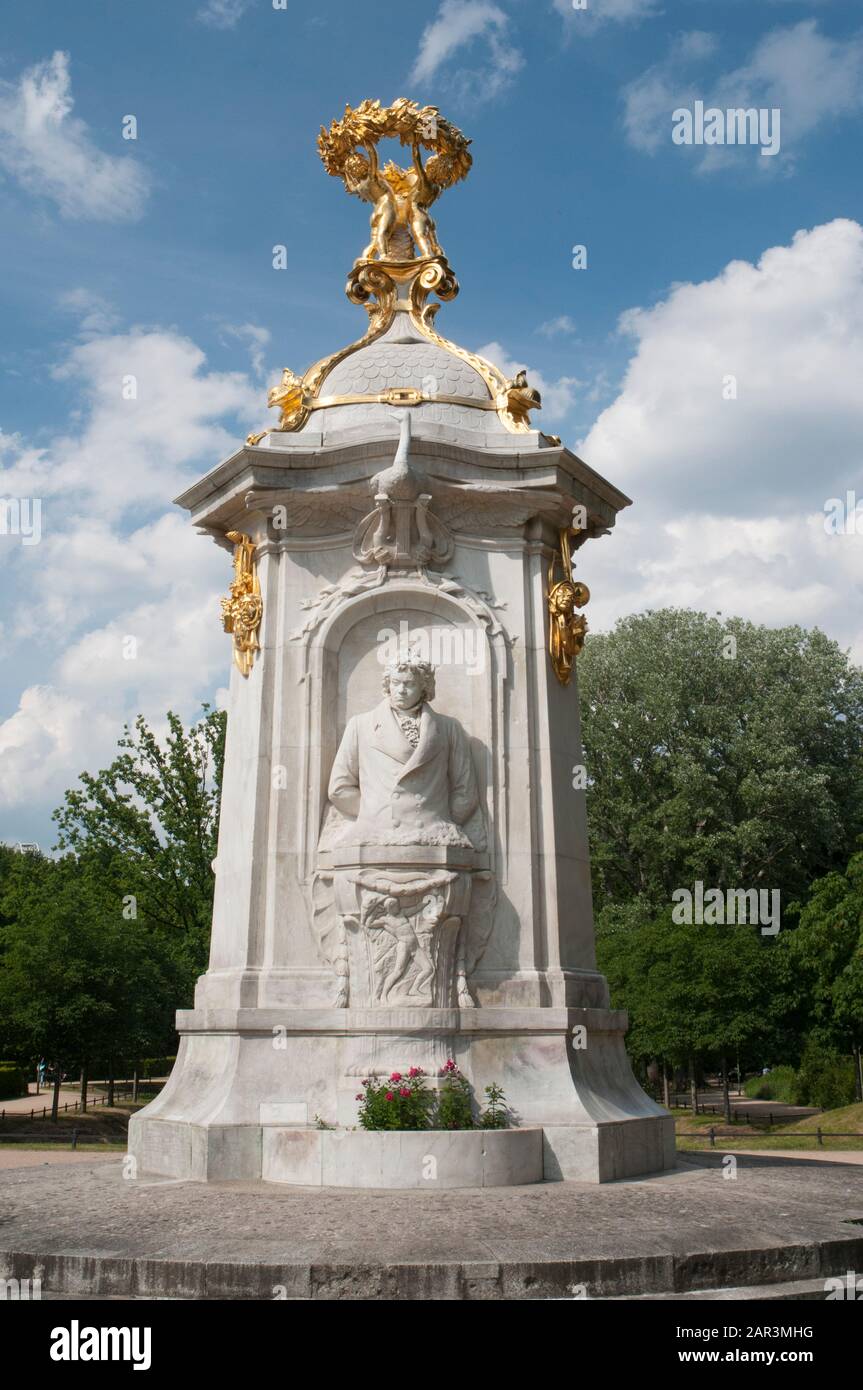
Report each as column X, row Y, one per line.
column 89, row 1230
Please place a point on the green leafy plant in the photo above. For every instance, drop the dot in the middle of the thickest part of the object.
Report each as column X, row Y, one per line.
column 454, row 1109
column 495, row 1115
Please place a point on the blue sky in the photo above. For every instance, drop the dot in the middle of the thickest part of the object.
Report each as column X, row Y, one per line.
column 154, row 257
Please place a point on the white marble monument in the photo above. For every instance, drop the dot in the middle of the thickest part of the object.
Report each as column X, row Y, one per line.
column 402, row 873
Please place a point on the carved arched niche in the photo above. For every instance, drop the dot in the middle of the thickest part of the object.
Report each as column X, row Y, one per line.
column 345, row 656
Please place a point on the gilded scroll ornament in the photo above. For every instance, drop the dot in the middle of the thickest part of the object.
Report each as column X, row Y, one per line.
column 566, row 628
column 243, row 608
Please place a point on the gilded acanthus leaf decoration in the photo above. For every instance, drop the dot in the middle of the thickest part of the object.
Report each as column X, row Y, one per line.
column 243, row 607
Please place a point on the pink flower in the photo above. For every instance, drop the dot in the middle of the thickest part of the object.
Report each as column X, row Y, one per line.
column 395, row 1076
column 360, row 1096
column 404, row 1092
column 389, row 1096
column 415, row 1071
column 450, row 1066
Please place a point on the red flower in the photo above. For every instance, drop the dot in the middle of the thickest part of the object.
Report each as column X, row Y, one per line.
column 450, row 1066
column 389, row 1096
column 360, row 1096
column 415, row 1071
column 404, row 1092
column 395, row 1076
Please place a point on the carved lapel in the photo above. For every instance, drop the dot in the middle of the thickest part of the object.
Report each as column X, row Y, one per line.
column 387, row 736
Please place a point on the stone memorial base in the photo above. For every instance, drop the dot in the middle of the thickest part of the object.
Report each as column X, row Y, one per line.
column 250, row 1086
column 781, row 1230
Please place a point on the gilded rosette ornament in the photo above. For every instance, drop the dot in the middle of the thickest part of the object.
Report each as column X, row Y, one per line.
column 243, row 608
column 566, row 628
column 402, row 263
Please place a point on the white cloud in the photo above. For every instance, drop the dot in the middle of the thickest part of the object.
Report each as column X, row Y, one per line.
column 811, row 78
column 730, row 494
column 96, row 316
column 46, row 742
column 552, row 328
column 50, row 152
column 557, row 396
column 222, row 14
column 134, row 623
column 134, row 451
column 458, row 24
column 92, row 582
column 255, row 339
column 586, row 21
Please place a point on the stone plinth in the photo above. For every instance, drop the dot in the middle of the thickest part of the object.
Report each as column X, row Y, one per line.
column 241, row 1074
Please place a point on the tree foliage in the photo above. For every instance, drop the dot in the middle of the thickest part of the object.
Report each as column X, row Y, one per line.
column 150, row 821
column 736, row 762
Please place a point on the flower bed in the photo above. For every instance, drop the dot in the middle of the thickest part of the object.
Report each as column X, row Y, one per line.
column 404, row 1102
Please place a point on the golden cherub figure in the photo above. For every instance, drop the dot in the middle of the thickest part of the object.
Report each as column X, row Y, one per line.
column 363, row 177
column 401, row 198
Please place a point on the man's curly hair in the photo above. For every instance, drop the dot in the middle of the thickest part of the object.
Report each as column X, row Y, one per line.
column 409, row 662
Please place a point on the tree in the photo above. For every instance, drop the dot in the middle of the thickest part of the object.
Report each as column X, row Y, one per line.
column 149, row 825
column 693, row 991
column 826, row 949
column 719, row 751
column 77, row 980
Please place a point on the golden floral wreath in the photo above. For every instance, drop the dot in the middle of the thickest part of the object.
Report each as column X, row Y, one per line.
column 405, row 121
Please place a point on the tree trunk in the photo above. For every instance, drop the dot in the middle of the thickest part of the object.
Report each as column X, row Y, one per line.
column 858, row 1072
column 84, row 1087
column 693, row 1087
column 135, row 1084
column 55, row 1099
column 666, row 1091
column 726, row 1098
column 111, row 1083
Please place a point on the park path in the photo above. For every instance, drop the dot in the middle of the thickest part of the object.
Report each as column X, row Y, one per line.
column 803, row 1155
column 22, row 1105
column 776, row 1108
column 35, row 1158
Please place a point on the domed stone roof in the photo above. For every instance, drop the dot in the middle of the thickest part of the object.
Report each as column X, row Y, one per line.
column 405, row 360
column 402, row 362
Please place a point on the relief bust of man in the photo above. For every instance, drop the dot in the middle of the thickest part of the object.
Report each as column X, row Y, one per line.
column 404, row 774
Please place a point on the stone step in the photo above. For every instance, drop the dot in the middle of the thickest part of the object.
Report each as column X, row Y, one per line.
column 796, row 1290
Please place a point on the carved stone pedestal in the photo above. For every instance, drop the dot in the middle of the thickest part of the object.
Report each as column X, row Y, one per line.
column 244, row 1076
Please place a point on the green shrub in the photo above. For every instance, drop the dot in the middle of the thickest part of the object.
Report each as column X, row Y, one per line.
column 156, row 1066
column 454, row 1110
column 495, row 1114
column 779, row 1084
column 825, row 1079
column 13, row 1081
column 403, row 1102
